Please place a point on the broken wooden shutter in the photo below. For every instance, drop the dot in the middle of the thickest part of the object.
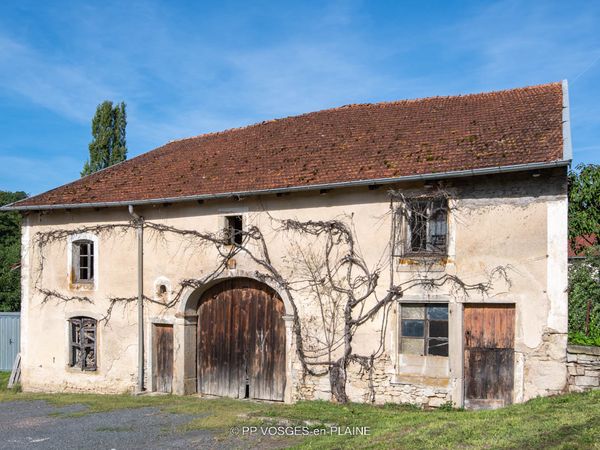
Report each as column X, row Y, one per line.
column 83, row 343
column 75, row 342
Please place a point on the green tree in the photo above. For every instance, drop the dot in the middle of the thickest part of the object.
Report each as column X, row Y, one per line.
column 109, row 143
column 584, row 202
column 584, row 275
column 10, row 254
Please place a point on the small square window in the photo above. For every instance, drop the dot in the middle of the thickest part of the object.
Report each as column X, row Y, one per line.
column 424, row 329
column 234, row 230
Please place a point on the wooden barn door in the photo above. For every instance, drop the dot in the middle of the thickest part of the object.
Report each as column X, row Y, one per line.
column 163, row 358
column 241, row 341
column 489, row 355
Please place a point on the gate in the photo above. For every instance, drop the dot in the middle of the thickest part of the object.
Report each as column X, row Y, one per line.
column 241, row 341
column 10, row 338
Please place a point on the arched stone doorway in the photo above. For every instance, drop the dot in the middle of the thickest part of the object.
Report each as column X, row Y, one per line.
column 241, row 341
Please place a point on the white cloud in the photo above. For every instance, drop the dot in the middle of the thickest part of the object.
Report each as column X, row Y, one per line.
column 67, row 89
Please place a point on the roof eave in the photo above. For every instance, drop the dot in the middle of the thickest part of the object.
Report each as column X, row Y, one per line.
column 345, row 184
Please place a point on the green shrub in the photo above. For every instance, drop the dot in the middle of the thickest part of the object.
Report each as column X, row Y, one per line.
column 584, row 295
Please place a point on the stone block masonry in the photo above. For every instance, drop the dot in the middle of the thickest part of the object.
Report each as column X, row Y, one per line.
column 583, row 364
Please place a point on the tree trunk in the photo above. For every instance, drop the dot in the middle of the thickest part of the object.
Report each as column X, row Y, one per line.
column 337, row 380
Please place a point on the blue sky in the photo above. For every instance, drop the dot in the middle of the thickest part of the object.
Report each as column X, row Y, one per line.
column 186, row 68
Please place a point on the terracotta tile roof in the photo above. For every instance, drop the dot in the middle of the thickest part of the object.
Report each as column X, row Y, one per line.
column 581, row 244
column 350, row 143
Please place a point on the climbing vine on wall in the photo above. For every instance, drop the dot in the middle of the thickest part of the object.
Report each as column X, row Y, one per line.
column 328, row 266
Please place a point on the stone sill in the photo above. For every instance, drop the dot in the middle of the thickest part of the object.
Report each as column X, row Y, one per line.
column 420, row 380
column 583, row 349
column 423, row 264
column 75, row 370
column 87, row 287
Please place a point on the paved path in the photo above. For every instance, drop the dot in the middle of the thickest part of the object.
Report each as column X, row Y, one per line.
column 38, row 425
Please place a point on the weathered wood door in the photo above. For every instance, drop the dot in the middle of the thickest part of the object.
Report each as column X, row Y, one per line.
column 489, row 355
column 241, row 341
column 163, row 357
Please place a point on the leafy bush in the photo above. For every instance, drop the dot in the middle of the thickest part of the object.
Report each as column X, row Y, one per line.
column 584, row 300
column 582, row 339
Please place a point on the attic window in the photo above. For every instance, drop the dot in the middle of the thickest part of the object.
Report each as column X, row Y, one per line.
column 234, row 230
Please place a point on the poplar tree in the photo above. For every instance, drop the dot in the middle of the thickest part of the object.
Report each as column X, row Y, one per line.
column 109, row 143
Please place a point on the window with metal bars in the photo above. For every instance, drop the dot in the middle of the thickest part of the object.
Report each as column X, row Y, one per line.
column 423, row 227
column 83, row 261
column 83, row 343
column 424, row 329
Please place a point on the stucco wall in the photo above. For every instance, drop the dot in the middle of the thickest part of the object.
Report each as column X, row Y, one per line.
column 517, row 221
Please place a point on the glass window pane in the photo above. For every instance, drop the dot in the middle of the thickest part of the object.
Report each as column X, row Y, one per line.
column 437, row 347
column 438, row 328
column 437, row 312
column 83, row 249
column 83, row 274
column 83, row 261
column 413, row 328
column 413, row 311
column 412, row 346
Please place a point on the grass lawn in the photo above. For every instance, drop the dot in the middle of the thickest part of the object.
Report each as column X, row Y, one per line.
column 568, row 421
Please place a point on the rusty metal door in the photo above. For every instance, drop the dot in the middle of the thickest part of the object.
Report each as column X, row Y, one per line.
column 163, row 358
column 489, row 355
column 241, row 341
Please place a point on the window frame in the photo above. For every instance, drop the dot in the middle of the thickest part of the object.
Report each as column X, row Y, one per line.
column 77, row 257
column 405, row 219
column 426, row 336
column 81, row 332
column 73, row 262
column 235, row 237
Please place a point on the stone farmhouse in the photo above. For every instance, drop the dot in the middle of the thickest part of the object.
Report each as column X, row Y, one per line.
column 409, row 252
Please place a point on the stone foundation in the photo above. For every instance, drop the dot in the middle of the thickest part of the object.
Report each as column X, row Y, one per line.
column 379, row 387
column 583, row 364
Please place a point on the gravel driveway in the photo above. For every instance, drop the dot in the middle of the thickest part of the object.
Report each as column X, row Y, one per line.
column 38, row 425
